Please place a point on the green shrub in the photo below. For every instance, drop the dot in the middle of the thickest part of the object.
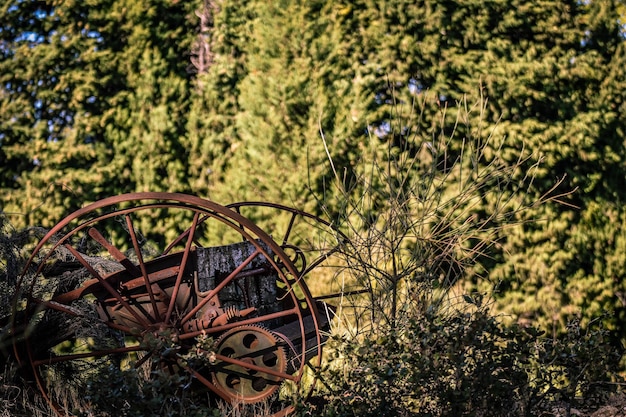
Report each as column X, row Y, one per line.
column 120, row 393
column 461, row 364
column 580, row 368
column 467, row 363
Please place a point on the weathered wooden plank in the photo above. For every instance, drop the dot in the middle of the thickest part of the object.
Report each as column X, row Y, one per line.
column 255, row 286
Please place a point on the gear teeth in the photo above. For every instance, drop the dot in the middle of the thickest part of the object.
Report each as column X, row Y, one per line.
column 254, row 326
column 243, row 384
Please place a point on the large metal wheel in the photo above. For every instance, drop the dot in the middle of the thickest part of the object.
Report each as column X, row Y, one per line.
column 160, row 283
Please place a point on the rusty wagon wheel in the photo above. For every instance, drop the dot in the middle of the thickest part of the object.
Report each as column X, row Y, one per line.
column 167, row 284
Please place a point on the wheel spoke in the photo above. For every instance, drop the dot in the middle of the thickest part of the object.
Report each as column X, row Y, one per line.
column 106, row 285
column 291, row 223
column 183, row 265
column 115, row 252
column 142, row 265
column 182, row 236
column 260, row 312
column 219, row 287
column 206, row 382
column 53, row 305
column 321, row 259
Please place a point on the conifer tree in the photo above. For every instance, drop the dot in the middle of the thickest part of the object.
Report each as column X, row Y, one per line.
column 93, row 97
column 211, row 130
column 553, row 76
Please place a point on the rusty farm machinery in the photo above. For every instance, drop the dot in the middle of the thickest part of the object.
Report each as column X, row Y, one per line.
column 215, row 300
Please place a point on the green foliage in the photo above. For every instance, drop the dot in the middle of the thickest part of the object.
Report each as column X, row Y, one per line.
column 551, row 76
column 117, row 393
column 93, row 96
column 98, row 100
column 469, row 363
column 462, row 364
column 580, row 366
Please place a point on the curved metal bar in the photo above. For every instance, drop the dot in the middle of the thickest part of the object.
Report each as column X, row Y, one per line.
column 341, row 237
column 237, row 206
column 254, row 367
column 203, row 210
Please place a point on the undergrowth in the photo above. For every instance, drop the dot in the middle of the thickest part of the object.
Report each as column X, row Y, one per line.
column 466, row 363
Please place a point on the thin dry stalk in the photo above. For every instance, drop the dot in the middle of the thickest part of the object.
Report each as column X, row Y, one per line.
column 423, row 211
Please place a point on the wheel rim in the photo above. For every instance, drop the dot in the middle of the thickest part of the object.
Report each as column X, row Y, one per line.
column 307, row 252
column 150, row 310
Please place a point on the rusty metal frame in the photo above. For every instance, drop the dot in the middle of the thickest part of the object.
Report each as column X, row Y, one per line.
column 203, row 210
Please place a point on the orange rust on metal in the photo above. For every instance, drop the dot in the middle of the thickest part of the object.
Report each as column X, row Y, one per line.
column 153, row 278
column 254, row 320
column 250, row 365
column 115, row 252
column 106, row 285
column 142, row 265
column 179, row 276
column 155, row 310
column 217, row 289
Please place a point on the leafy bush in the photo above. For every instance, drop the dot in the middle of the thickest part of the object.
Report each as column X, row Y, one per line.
column 467, row 363
column 579, row 368
column 418, row 239
column 119, row 393
column 460, row 364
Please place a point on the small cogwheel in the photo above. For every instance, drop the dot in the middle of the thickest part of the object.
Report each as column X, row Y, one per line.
column 250, row 364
